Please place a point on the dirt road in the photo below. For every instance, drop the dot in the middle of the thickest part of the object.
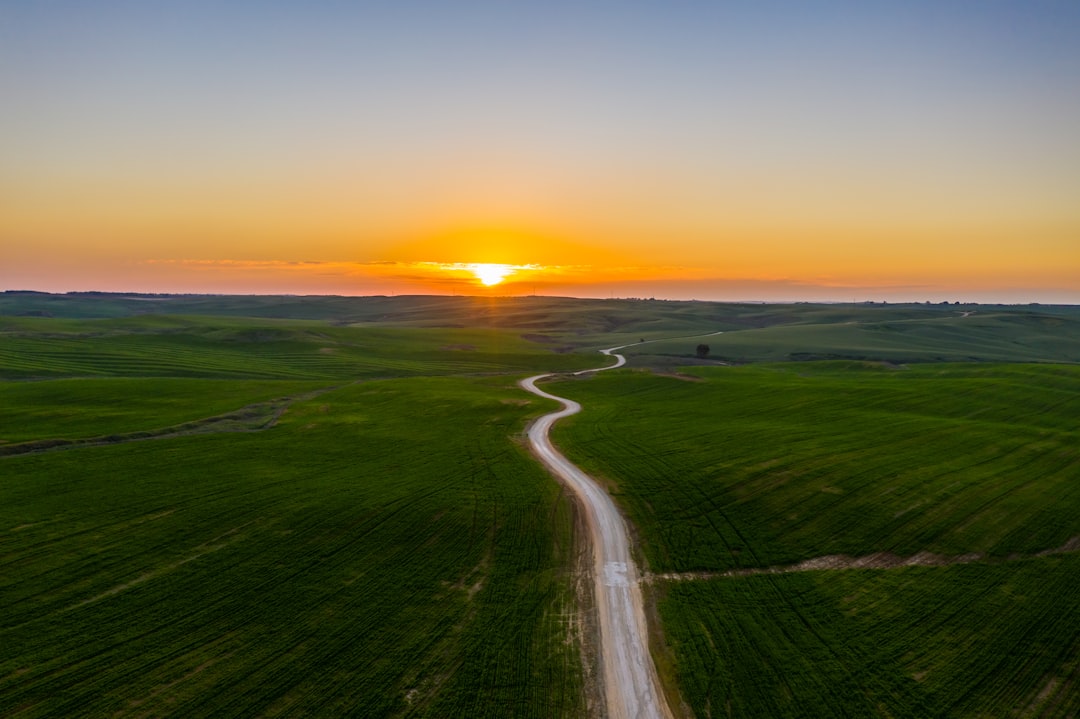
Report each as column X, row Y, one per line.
column 631, row 686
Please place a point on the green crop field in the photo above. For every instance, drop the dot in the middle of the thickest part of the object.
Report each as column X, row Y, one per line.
column 153, row 346
column 384, row 550
column 971, row 640
column 736, row 468
column 797, row 331
column 382, row 545
column 761, row 465
column 85, row 408
column 329, row 511
column 918, row 335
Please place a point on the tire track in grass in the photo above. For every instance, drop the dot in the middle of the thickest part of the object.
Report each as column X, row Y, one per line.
column 877, row 560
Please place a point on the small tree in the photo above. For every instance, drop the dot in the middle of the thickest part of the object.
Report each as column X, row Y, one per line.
column 703, row 351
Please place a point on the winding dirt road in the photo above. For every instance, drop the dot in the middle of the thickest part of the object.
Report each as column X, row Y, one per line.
column 631, row 686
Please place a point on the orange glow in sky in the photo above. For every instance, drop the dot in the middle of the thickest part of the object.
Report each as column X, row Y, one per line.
column 913, row 151
column 486, row 274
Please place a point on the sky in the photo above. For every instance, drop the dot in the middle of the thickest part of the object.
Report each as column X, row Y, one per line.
column 710, row 150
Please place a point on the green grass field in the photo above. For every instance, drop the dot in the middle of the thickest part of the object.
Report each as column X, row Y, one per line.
column 760, row 332
column 762, row 465
column 173, row 346
column 970, row 640
column 383, row 545
column 82, row 408
column 987, row 335
column 759, row 466
column 385, row 550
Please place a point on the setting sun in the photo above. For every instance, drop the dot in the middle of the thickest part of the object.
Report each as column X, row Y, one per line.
column 474, row 274
column 490, row 274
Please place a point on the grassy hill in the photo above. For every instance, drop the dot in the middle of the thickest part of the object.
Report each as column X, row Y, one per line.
column 194, row 346
column 753, row 332
column 994, row 336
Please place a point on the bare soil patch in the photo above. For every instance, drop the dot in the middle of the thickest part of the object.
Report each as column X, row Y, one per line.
column 878, row 560
column 677, row 375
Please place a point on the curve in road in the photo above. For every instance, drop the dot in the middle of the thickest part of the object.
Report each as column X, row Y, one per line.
column 631, row 685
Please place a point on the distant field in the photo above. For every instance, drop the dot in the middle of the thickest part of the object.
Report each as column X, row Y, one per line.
column 172, row 346
column 384, row 550
column 987, row 335
column 804, row 331
column 760, row 466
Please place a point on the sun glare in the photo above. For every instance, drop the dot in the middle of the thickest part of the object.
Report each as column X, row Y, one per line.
column 490, row 274
column 483, row 274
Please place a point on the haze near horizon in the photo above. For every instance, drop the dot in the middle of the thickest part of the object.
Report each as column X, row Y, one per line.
column 783, row 151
